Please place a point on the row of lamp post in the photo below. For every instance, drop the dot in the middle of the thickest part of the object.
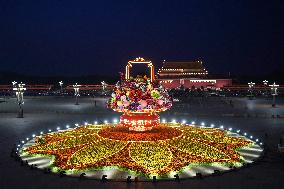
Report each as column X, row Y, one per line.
column 273, row 88
column 19, row 89
column 76, row 88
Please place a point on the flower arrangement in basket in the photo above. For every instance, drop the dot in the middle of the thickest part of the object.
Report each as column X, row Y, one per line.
column 140, row 99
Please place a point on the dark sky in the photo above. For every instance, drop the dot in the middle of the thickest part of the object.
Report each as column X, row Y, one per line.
column 66, row 37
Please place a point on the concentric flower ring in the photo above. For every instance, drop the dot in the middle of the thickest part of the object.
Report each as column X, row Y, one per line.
column 167, row 149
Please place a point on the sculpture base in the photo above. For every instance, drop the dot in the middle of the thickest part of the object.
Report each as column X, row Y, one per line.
column 140, row 121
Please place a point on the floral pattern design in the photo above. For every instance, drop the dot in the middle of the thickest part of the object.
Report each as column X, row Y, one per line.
column 169, row 147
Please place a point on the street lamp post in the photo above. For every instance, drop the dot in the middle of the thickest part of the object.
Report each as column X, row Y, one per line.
column 274, row 92
column 14, row 83
column 19, row 89
column 104, row 86
column 251, row 85
column 265, row 82
column 61, row 84
column 76, row 92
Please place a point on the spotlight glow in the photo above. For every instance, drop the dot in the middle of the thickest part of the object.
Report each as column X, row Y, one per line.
column 67, row 126
column 183, row 122
column 163, row 120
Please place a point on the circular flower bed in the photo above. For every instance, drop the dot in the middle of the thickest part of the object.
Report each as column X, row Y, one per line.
column 168, row 148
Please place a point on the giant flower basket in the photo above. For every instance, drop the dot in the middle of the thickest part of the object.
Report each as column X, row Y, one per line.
column 140, row 99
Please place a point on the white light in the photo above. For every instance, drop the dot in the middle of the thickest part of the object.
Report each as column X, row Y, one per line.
column 23, row 141
column 251, row 136
column 212, row 125
column 27, row 138
column 114, row 120
column 163, row 121
column 67, row 126
column 230, row 129
column 76, row 124
column 58, row 128
column 17, row 148
column 173, row 121
column 183, row 121
column 96, row 122
column 41, row 132
column 193, row 122
column 49, row 130
column 33, row 135
column 245, row 134
column 86, row 123
column 221, row 127
column 105, row 121
column 260, row 143
column 256, row 140
column 238, row 131
column 19, row 145
column 202, row 123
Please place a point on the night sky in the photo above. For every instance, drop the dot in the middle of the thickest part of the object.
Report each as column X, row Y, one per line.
column 66, row 37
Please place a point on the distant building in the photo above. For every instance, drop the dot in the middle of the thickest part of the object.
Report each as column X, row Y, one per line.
column 189, row 74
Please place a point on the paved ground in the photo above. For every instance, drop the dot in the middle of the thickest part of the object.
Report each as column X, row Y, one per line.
column 42, row 113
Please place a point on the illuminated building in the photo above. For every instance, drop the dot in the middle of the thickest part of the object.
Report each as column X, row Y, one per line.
column 189, row 74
